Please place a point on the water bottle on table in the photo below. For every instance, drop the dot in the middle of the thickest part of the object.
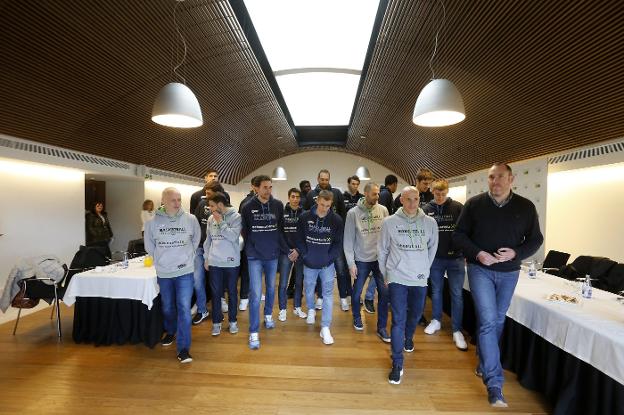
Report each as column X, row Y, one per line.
column 124, row 262
column 586, row 288
column 532, row 269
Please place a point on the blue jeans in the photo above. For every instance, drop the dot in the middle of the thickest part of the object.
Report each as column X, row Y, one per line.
column 342, row 275
column 199, row 281
column 218, row 277
column 284, row 269
column 363, row 269
column 407, row 307
column 492, row 292
column 175, row 295
column 454, row 268
column 370, row 290
column 327, row 283
column 256, row 266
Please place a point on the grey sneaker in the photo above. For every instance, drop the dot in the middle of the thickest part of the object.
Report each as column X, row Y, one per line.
column 233, row 327
column 216, row 329
column 496, row 398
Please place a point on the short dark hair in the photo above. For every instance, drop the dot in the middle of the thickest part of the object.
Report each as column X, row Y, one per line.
column 146, row 203
column 354, row 177
column 303, row 183
column 210, row 171
column 219, row 197
column 94, row 204
column 215, row 186
column 254, row 181
column 294, row 190
column 323, row 171
column 326, row 195
column 390, row 179
column 500, row 163
column 262, row 178
column 424, row 174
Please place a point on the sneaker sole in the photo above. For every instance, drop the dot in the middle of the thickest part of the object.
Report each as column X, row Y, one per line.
column 358, row 328
column 187, row 360
column 462, row 349
column 326, row 343
column 216, row 334
column 233, row 331
column 254, row 346
column 499, row 404
column 408, row 350
column 368, row 311
column 383, row 339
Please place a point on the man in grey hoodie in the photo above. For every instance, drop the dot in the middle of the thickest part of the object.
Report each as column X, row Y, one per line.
column 172, row 238
column 362, row 230
column 407, row 248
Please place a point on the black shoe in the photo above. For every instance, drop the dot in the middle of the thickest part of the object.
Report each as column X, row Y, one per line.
column 199, row 317
column 496, row 398
column 369, row 306
column 383, row 335
column 167, row 340
column 409, row 345
column 423, row 321
column 184, row 357
column 395, row 375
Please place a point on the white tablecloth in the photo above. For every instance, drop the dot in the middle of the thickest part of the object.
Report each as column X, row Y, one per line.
column 137, row 282
column 592, row 331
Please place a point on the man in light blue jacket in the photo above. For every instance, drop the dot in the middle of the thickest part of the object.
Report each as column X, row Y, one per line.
column 407, row 248
column 172, row 238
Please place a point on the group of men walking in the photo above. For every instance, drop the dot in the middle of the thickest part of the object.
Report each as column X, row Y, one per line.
column 401, row 243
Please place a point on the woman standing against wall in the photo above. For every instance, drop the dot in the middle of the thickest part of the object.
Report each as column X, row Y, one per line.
column 98, row 229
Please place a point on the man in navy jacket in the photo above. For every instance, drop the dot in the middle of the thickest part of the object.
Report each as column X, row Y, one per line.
column 263, row 231
column 319, row 242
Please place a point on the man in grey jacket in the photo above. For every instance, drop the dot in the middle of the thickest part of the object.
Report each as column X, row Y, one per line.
column 362, row 230
column 407, row 248
column 172, row 238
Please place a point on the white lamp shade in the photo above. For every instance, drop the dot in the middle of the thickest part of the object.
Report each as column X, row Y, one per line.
column 439, row 104
column 363, row 173
column 177, row 106
column 279, row 173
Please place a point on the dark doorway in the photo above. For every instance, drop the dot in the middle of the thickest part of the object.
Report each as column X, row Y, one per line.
column 95, row 191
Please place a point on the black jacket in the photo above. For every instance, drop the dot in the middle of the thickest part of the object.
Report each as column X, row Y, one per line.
column 97, row 230
column 338, row 205
column 446, row 216
column 197, row 197
column 483, row 226
column 385, row 199
column 351, row 200
column 291, row 217
column 247, row 198
column 202, row 213
column 319, row 240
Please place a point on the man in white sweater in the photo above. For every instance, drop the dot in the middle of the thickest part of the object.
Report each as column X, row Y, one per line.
column 407, row 248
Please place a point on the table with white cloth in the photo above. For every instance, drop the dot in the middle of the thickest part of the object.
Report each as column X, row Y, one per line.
column 572, row 353
column 116, row 305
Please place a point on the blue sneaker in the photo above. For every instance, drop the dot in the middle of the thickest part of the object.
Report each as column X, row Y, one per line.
column 495, row 398
column 383, row 335
column 254, row 341
column 357, row 324
column 268, row 322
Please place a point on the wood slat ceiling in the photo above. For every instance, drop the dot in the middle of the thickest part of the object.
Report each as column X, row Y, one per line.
column 536, row 77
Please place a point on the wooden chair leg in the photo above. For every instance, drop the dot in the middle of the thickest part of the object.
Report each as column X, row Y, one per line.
column 53, row 307
column 17, row 321
column 58, row 312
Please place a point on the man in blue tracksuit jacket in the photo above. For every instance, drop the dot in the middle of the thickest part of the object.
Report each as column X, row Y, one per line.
column 263, row 231
column 319, row 242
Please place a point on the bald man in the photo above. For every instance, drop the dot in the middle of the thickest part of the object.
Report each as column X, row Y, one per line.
column 406, row 250
column 172, row 238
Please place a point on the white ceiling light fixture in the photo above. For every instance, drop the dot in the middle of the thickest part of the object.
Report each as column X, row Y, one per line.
column 439, row 103
column 279, row 174
column 176, row 105
column 363, row 173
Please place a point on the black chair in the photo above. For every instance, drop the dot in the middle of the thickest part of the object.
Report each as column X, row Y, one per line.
column 89, row 257
column 554, row 261
column 614, row 280
column 580, row 267
column 47, row 289
column 136, row 247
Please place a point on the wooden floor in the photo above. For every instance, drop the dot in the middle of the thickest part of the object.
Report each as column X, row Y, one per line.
column 292, row 373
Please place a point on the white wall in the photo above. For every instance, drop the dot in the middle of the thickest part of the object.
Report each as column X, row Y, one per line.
column 42, row 213
column 585, row 209
column 124, row 201
column 305, row 166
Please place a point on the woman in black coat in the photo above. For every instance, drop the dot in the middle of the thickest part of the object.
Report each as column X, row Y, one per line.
column 98, row 229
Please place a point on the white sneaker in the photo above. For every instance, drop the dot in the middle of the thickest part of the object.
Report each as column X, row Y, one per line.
column 344, row 304
column 319, row 304
column 216, row 329
column 268, row 322
column 224, row 305
column 326, row 336
column 282, row 315
column 311, row 316
column 459, row 340
column 433, row 327
column 299, row 312
column 243, row 304
column 233, row 327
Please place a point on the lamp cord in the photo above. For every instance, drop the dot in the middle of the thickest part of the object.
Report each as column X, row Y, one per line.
column 175, row 23
column 435, row 48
